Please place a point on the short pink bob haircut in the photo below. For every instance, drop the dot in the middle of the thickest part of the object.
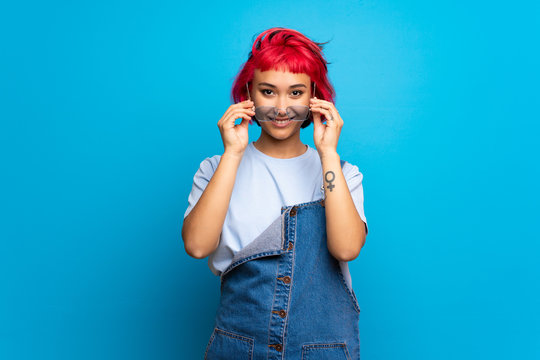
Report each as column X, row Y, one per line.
column 283, row 49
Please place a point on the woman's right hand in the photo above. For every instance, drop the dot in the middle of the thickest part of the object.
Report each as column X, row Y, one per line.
column 235, row 137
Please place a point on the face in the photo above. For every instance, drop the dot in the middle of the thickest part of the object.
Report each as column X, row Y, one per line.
column 280, row 89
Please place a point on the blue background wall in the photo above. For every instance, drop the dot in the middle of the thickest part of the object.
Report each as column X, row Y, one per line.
column 107, row 109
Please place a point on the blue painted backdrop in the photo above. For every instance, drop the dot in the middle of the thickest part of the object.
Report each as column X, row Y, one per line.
column 107, row 109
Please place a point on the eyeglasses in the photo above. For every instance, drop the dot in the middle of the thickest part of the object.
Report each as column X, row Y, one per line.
column 270, row 113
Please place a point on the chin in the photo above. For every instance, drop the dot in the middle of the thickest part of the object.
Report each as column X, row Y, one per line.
column 281, row 134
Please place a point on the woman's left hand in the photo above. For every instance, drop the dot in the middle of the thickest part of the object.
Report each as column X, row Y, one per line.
column 325, row 136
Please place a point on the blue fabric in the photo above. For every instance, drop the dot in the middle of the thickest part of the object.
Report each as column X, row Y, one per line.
column 263, row 185
column 289, row 301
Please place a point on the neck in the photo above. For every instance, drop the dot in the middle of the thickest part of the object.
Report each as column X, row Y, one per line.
column 281, row 149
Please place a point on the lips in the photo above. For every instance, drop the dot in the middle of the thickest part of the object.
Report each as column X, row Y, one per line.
column 281, row 124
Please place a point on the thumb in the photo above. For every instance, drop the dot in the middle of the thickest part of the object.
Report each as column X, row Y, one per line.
column 244, row 123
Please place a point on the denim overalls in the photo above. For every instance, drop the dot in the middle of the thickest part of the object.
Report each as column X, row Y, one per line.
column 284, row 296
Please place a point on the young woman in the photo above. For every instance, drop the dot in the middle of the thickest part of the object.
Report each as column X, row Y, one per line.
column 278, row 219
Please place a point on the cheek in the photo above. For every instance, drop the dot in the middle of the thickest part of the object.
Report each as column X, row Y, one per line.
column 260, row 100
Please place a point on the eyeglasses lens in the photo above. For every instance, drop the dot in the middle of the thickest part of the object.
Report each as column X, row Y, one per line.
column 294, row 113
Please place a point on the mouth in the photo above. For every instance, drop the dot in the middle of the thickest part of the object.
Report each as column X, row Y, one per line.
column 281, row 122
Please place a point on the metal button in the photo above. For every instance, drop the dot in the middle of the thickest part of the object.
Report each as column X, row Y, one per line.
column 281, row 313
column 286, row 279
column 278, row 347
column 293, row 212
column 290, row 245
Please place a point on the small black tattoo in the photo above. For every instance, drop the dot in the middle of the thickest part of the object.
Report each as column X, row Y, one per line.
column 329, row 181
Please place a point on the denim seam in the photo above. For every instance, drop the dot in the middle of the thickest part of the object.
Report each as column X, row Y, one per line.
column 290, row 222
column 293, row 257
column 270, row 317
column 241, row 261
column 249, row 340
column 283, row 217
column 209, row 343
column 347, row 351
column 235, row 335
column 308, row 347
column 349, row 293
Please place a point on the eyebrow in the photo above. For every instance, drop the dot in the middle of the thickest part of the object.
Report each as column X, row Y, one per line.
column 290, row 87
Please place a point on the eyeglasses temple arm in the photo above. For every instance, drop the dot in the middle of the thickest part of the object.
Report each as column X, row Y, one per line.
column 247, row 87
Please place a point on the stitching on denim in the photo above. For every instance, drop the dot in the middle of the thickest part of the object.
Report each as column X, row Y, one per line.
column 241, row 261
column 282, row 229
column 235, row 335
column 346, row 349
column 324, row 345
column 248, row 339
column 350, row 294
column 210, row 342
column 293, row 257
column 272, row 305
column 307, row 347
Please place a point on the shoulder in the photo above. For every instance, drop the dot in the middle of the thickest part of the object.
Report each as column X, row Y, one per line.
column 351, row 171
column 210, row 163
column 207, row 167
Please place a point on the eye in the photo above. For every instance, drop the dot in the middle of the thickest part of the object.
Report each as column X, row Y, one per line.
column 264, row 93
column 299, row 92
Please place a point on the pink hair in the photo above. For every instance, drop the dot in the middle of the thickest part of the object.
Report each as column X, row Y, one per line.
column 286, row 50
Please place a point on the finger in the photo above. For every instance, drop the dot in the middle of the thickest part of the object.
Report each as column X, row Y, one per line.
column 244, row 114
column 327, row 105
column 246, row 104
column 316, row 119
column 330, row 120
column 239, row 111
column 335, row 115
column 321, row 102
column 243, row 124
column 232, row 120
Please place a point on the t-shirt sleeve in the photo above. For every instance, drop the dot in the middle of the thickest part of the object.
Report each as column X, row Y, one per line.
column 200, row 181
column 354, row 181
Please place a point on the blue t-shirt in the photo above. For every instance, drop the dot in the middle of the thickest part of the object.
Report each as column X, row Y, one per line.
column 263, row 185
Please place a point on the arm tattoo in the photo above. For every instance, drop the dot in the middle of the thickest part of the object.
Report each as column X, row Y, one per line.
column 330, row 179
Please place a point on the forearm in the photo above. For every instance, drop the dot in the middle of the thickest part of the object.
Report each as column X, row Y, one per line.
column 203, row 225
column 344, row 227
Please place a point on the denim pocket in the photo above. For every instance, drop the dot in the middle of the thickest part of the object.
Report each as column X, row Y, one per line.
column 326, row 351
column 228, row 345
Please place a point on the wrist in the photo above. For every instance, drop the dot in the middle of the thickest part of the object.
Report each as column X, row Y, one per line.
column 328, row 155
column 233, row 155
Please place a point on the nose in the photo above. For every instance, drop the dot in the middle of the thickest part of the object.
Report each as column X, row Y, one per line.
column 282, row 105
